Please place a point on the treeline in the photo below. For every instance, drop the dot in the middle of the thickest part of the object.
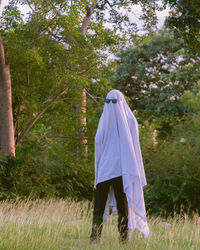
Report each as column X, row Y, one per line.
column 60, row 74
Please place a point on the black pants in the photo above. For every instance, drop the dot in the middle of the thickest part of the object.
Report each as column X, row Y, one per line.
column 101, row 194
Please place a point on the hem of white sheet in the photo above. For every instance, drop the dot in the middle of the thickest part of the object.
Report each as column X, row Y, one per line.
column 136, row 217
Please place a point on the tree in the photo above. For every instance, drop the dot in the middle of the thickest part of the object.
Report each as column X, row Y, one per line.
column 7, row 143
column 49, row 55
column 55, row 30
column 184, row 21
column 154, row 76
column 82, row 122
column 173, row 171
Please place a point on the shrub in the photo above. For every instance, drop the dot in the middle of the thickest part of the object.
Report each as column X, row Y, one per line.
column 173, row 171
column 40, row 177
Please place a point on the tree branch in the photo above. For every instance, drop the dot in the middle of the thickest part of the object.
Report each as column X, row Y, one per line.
column 40, row 114
column 86, row 20
column 93, row 98
column 111, row 6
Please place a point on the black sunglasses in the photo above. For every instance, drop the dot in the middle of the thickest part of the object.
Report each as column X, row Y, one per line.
column 111, row 100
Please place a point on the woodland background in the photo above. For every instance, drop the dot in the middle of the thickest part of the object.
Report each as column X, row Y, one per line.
column 63, row 58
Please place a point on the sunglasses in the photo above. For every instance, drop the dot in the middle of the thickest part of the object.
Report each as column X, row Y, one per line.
column 111, row 100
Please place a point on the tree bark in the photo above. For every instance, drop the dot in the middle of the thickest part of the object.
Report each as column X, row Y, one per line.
column 82, row 121
column 7, row 141
column 86, row 20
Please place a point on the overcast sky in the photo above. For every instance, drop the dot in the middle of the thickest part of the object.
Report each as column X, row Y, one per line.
column 134, row 16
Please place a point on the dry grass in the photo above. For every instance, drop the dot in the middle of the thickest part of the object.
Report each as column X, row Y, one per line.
column 64, row 224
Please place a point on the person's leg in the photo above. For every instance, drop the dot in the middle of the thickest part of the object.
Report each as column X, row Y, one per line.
column 101, row 194
column 122, row 207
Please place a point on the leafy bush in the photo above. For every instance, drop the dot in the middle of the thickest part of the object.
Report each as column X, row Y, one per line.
column 40, row 177
column 173, row 174
column 173, row 168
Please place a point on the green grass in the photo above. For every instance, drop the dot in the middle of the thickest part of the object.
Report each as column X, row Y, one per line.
column 64, row 224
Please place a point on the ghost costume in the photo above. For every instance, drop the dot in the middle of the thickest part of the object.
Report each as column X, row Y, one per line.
column 118, row 155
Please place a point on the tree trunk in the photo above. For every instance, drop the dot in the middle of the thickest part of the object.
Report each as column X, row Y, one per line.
column 82, row 121
column 7, row 141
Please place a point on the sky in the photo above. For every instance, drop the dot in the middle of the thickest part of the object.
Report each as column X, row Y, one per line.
column 23, row 9
column 134, row 16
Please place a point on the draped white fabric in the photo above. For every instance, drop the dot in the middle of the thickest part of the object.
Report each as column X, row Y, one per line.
column 117, row 153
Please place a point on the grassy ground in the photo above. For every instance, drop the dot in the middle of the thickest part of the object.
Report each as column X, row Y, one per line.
column 65, row 224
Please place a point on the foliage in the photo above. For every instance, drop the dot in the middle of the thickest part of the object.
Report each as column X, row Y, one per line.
column 154, row 75
column 44, row 59
column 43, row 176
column 119, row 11
column 172, row 168
column 51, row 169
column 47, row 53
column 184, row 21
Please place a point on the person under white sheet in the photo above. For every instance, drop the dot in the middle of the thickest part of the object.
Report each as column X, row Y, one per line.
column 119, row 170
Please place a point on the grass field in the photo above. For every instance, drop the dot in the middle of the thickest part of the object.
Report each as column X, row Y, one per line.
column 64, row 224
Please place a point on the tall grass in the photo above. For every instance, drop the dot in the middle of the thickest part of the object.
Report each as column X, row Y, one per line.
column 65, row 224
